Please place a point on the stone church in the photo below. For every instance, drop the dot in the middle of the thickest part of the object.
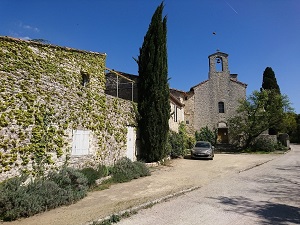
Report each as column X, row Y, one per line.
column 212, row 102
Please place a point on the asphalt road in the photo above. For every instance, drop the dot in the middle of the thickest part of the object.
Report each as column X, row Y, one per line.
column 265, row 194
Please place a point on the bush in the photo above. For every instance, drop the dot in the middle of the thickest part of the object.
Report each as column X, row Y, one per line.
column 141, row 169
column 176, row 143
column 91, row 174
column 71, row 180
column 125, row 170
column 205, row 134
column 262, row 144
column 18, row 200
column 103, row 171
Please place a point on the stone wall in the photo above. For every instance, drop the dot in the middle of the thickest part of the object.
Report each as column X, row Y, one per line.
column 220, row 87
column 47, row 92
column 177, row 116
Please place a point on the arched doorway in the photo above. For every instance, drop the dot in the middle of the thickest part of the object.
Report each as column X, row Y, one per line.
column 222, row 133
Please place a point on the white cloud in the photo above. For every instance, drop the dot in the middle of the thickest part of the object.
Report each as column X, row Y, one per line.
column 17, row 35
column 25, row 38
column 28, row 27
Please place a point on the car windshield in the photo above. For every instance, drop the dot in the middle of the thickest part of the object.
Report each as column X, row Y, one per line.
column 202, row 145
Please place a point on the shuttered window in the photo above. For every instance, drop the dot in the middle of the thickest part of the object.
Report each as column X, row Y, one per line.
column 80, row 144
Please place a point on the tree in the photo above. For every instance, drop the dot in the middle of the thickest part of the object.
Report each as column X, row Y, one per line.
column 254, row 116
column 270, row 83
column 295, row 133
column 269, row 80
column 153, row 87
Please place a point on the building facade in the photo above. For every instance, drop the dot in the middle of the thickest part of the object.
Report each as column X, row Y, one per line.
column 124, row 85
column 212, row 102
column 54, row 112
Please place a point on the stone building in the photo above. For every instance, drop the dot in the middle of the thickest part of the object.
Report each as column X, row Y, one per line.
column 212, row 102
column 54, row 111
column 124, row 85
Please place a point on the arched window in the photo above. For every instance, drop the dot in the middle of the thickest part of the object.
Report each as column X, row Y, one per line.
column 221, row 107
column 219, row 64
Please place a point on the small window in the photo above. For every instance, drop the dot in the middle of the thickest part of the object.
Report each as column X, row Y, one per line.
column 175, row 113
column 187, row 122
column 221, row 107
column 85, row 79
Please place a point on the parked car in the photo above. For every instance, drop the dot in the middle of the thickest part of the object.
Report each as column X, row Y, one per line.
column 203, row 149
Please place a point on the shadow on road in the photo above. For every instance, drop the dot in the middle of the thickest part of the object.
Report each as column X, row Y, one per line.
column 268, row 212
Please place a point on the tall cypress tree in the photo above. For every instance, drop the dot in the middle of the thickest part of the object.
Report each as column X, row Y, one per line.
column 274, row 103
column 153, row 87
column 269, row 80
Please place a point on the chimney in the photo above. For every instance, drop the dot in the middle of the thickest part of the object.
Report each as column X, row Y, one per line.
column 233, row 77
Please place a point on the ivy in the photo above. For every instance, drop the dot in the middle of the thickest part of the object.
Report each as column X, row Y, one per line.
column 42, row 97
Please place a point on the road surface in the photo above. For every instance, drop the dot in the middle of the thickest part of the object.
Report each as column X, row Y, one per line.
column 265, row 194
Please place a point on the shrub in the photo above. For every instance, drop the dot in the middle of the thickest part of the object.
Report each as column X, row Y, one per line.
column 141, row 169
column 263, row 144
column 205, row 134
column 91, row 174
column 103, row 171
column 125, row 170
column 18, row 200
column 179, row 142
column 176, row 143
column 71, row 180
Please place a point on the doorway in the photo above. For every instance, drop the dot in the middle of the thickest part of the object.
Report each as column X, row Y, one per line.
column 223, row 135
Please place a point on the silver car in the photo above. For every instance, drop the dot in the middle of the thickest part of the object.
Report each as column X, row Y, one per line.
column 203, row 149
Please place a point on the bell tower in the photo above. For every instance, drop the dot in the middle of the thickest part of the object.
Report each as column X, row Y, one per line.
column 218, row 65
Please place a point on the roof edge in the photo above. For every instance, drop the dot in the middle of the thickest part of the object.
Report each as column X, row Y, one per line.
column 7, row 38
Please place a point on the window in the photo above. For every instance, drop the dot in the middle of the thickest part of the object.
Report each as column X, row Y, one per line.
column 221, row 107
column 85, row 79
column 187, row 122
column 175, row 113
column 80, row 144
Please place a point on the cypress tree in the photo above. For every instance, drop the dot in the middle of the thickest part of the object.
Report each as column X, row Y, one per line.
column 153, row 87
column 274, row 104
column 269, row 80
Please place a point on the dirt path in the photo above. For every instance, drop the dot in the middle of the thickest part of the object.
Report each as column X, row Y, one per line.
column 165, row 180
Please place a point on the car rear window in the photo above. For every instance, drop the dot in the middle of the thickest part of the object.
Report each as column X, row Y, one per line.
column 202, row 145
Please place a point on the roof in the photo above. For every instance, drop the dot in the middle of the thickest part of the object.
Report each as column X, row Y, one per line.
column 218, row 53
column 6, row 38
column 179, row 91
column 239, row 82
column 127, row 76
column 176, row 100
column 192, row 88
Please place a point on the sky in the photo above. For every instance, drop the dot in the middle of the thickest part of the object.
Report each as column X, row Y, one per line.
column 254, row 33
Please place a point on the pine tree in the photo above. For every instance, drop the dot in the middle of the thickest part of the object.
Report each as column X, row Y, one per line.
column 153, row 87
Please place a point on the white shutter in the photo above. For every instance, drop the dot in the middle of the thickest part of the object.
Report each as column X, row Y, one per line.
column 131, row 137
column 80, row 142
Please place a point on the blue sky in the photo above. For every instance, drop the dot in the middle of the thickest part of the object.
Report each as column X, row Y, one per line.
column 255, row 33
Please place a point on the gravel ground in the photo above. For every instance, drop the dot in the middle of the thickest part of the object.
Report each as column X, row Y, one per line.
column 181, row 174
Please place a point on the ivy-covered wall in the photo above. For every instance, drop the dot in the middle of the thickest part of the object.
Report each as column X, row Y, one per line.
column 47, row 92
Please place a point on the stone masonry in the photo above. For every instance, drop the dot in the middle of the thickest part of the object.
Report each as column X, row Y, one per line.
column 50, row 93
column 203, row 101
